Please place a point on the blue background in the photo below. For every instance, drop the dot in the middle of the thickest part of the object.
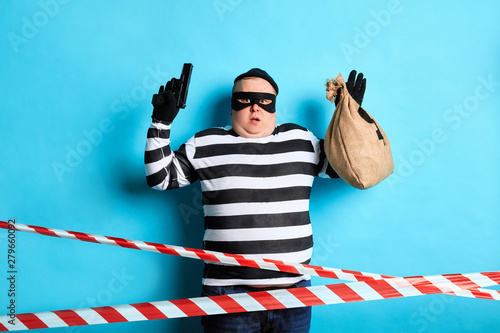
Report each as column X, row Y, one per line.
column 77, row 79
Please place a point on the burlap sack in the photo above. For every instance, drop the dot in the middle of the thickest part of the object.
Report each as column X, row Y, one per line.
column 355, row 145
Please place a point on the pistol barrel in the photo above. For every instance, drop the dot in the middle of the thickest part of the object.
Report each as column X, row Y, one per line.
column 184, row 85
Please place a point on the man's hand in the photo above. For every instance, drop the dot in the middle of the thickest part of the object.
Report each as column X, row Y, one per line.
column 355, row 87
column 165, row 104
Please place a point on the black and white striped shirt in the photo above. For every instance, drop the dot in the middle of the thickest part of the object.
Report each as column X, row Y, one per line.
column 255, row 194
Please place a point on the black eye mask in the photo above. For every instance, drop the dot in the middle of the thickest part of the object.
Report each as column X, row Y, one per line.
column 254, row 98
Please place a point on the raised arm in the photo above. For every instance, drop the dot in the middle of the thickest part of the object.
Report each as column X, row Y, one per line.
column 165, row 169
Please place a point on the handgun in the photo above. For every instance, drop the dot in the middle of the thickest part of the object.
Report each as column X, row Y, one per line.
column 180, row 86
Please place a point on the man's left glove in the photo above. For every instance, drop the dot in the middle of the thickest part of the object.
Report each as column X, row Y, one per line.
column 355, row 87
column 165, row 105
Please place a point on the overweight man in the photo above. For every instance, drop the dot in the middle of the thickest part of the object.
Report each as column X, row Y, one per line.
column 256, row 178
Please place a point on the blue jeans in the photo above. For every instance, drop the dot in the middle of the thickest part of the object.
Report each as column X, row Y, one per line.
column 297, row 320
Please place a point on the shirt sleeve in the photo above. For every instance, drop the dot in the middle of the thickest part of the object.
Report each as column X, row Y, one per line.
column 166, row 169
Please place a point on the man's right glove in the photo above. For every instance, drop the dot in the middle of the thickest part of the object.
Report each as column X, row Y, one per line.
column 164, row 105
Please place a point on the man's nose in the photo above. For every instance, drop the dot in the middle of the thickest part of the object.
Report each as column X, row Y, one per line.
column 255, row 107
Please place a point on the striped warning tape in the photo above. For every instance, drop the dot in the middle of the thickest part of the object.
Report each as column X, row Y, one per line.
column 224, row 258
column 245, row 302
column 474, row 280
column 369, row 286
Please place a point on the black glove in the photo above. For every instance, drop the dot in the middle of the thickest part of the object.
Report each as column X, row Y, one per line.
column 355, row 88
column 165, row 104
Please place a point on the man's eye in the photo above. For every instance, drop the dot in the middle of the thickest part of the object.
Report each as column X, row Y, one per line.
column 244, row 100
column 265, row 101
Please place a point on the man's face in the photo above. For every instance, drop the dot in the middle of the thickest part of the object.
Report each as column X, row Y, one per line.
column 253, row 121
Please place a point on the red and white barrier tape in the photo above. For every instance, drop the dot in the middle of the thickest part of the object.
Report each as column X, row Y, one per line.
column 245, row 302
column 369, row 286
column 474, row 280
column 229, row 259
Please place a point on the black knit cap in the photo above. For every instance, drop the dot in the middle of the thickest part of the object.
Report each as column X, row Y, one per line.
column 257, row 72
